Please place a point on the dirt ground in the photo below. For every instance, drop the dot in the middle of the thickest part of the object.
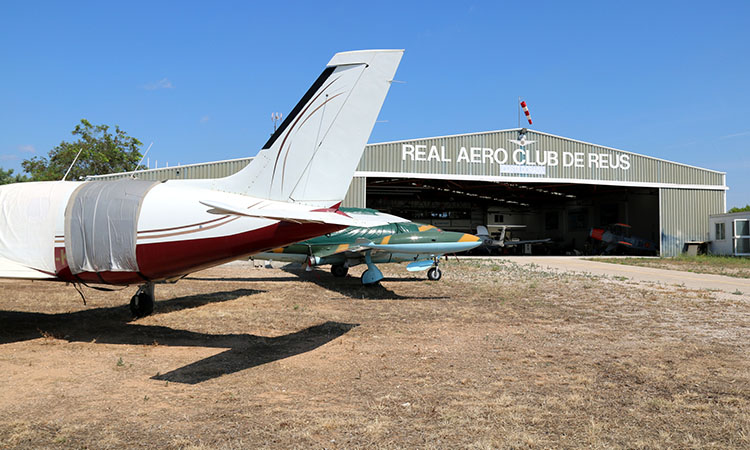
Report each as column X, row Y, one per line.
column 495, row 355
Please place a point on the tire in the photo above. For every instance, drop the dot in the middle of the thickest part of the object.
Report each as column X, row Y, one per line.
column 339, row 270
column 377, row 283
column 434, row 274
column 141, row 305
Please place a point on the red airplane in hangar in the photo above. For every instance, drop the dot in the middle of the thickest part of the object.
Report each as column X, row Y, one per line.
column 619, row 235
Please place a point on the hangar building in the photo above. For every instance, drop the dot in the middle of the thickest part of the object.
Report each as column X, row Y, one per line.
column 553, row 186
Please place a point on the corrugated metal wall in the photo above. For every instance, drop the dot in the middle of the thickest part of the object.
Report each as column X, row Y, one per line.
column 598, row 163
column 356, row 195
column 683, row 214
column 388, row 157
column 216, row 169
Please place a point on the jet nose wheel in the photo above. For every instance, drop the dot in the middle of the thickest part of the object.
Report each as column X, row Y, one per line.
column 434, row 274
column 142, row 303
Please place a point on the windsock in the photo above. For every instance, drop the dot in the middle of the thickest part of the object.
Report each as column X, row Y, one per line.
column 526, row 111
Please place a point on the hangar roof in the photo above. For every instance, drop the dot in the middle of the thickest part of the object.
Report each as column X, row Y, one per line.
column 494, row 156
column 500, row 156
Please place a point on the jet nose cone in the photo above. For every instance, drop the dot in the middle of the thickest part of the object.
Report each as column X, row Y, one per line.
column 470, row 241
column 469, row 238
column 466, row 241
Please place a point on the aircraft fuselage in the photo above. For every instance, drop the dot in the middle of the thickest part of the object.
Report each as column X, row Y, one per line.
column 175, row 234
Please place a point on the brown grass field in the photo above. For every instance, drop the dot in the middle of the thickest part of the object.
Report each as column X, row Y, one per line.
column 730, row 266
column 495, row 355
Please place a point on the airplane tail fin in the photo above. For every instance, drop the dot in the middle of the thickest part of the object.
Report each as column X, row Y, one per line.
column 312, row 156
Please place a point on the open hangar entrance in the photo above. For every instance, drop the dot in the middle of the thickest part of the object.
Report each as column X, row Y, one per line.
column 564, row 212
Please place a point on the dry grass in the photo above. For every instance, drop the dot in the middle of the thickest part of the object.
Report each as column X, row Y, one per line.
column 738, row 267
column 495, row 355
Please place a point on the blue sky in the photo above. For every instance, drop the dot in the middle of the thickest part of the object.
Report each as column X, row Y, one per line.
column 200, row 79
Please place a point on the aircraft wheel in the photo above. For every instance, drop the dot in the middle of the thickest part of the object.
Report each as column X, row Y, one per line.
column 339, row 270
column 364, row 277
column 141, row 305
column 434, row 274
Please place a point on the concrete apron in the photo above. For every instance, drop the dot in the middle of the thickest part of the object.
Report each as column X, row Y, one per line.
column 670, row 277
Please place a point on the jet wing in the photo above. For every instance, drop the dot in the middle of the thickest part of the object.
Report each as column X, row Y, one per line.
column 284, row 212
column 12, row 269
column 322, row 251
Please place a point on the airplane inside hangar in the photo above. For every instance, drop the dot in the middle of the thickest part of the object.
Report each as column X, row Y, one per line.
column 563, row 212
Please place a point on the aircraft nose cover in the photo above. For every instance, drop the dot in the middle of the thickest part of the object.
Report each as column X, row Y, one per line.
column 101, row 222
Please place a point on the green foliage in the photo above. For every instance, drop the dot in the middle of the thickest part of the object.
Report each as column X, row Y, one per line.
column 7, row 177
column 738, row 209
column 102, row 152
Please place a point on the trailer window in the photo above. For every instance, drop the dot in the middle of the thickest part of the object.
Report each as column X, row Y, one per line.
column 742, row 237
column 720, row 231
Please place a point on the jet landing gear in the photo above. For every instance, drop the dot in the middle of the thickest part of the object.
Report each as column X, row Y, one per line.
column 142, row 303
column 372, row 275
column 434, row 274
column 339, row 270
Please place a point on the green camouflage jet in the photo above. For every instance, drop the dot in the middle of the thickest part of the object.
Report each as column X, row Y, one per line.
column 383, row 238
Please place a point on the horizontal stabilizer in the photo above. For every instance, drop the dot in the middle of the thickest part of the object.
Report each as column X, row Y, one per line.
column 285, row 213
column 12, row 269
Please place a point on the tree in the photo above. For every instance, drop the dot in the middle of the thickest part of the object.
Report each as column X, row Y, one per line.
column 7, row 177
column 743, row 209
column 102, row 152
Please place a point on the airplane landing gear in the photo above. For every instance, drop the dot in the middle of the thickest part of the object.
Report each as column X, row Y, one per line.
column 142, row 303
column 434, row 274
column 372, row 275
column 339, row 270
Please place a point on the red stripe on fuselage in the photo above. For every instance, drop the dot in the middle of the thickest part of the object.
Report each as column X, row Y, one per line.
column 163, row 260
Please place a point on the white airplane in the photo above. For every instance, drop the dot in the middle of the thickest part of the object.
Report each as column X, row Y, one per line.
column 521, row 142
column 490, row 243
column 140, row 232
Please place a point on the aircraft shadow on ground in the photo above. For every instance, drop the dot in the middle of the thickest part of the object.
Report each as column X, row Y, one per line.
column 352, row 286
column 242, row 279
column 348, row 286
column 112, row 326
column 246, row 351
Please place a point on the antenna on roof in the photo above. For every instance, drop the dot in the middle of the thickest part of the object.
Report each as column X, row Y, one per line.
column 519, row 111
column 275, row 118
column 142, row 158
column 71, row 164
